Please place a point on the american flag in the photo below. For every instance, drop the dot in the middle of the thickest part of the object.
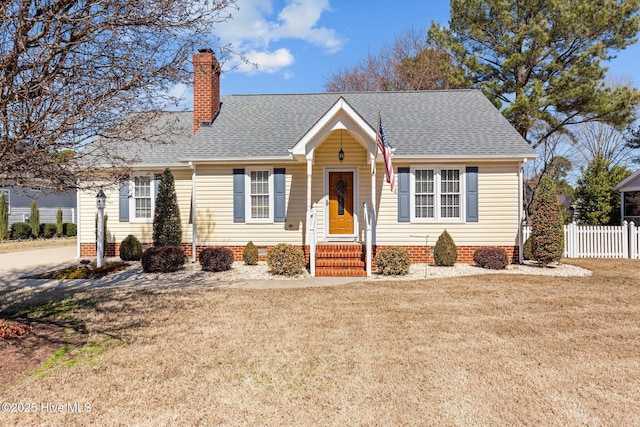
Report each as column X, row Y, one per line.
column 384, row 148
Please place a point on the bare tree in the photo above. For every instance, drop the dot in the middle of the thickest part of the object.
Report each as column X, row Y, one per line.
column 597, row 140
column 73, row 71
column 412, row 62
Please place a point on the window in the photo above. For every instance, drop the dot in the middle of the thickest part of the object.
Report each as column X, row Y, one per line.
column 142, row 206
column 6, row 191
column 436, row 194
column 260, row 195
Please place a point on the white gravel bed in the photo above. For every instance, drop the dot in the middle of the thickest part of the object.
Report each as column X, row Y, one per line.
column 241, row 273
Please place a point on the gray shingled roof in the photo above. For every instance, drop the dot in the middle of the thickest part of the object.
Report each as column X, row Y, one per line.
column 419, row 123
column 429, row 123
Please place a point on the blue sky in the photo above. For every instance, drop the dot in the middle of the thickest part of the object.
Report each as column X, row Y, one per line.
column 299, row 44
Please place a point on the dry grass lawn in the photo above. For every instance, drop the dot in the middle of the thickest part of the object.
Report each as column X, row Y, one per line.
column 7, row 246
column 483, row 350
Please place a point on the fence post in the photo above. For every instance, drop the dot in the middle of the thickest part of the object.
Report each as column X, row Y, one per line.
column 571, row 240
column 625, row 240
column 633, row 240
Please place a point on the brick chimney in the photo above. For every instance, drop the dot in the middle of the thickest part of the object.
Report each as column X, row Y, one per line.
column 206, row 88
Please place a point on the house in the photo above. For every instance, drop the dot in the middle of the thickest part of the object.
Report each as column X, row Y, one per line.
column 630, row 198
column 20, row 197
column 304, row 169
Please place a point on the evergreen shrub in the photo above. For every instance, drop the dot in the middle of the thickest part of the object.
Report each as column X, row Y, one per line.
column 547, row 234
column 491, row 258
column 59, row 226
column 69, row 229
column 216, row 259
column 285, row 259
column 48, row 230
column 392, row 261
column 130, row 249
column 34, row 219
column 250, row 254
column 445, row 252
column 526, row 249
column 167, row 228
column 21, row 231
column 162, row 259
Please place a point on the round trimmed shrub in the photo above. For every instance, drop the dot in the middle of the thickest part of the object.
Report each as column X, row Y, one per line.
column 130, row 249
column 445, row 252
column 48, row 230
column 162, row 259
column 20, row 230
column 69, row 229
column 250, row 254
column 216, row 259
column 491, row 258
column 392, row 261
column 285, row 259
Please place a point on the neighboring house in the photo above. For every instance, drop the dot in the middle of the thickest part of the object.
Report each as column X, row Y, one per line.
column 630, row 198
column 266, row 168
column 48, row 201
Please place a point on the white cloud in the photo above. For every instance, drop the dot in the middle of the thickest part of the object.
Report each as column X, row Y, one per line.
column 268, row 62
column 256, row 25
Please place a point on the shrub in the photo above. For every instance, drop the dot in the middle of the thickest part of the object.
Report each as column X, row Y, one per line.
column 492, row 258
column 250, row 254
column 4, row 215
column 130, row 249
column 20, row 230
column 69, row 229
column 547, row 234
column 59, row 228
column 445, row 252
column 216, row 259
column 34, row 219
column 392, row 260
column 162, row 259
column 48, row 230
column 285, row 259
column 526, row 249
column 167, row 228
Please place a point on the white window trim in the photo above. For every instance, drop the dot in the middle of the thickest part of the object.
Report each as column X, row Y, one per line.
column 8, row 191
column 437, row 173
column 247, row 196
column 132, row 201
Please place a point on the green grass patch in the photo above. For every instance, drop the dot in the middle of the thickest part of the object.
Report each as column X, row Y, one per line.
column 67, row 357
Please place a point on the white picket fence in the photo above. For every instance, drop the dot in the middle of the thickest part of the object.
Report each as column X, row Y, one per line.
column 590, row 241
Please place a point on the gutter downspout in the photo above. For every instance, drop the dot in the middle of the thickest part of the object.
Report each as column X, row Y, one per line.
column 521, row 210
column 194, row 237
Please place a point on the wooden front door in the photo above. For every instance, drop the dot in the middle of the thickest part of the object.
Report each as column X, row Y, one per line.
column 341, row 202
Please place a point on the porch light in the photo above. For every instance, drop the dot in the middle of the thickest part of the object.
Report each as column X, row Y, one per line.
column 341, row 152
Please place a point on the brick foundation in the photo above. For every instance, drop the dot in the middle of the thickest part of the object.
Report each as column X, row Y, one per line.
column 418, row 254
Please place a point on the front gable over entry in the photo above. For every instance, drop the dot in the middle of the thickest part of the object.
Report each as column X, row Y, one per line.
column 340, row 116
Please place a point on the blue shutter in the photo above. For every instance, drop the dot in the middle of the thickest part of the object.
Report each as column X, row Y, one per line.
column 279, row 209
column 156, row 184
column 123, row 200
column 472, row 193
column 238, row 195
column 404, row 195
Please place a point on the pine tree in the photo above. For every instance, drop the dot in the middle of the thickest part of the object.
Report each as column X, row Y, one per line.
column 34, row 219
column 4, row 216
column 167, row 229
column 598, row 202
column 547, row 235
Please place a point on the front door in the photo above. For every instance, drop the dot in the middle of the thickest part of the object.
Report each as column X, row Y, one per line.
column 341, row 202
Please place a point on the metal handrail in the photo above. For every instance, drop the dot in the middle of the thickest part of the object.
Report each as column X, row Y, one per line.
column 313, row 238
column 368, row 236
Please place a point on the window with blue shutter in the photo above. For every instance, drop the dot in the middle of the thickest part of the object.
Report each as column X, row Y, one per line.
column 279, row 208
column 472, row 193
column 123, row 200
column 404, row 195
column 238, row 195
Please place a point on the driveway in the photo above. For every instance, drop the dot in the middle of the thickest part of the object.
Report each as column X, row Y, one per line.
column 17, row 264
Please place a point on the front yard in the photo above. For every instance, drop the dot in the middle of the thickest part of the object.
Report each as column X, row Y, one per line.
column 480, row 350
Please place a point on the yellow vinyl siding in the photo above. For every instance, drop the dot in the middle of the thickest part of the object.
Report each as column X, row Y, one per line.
column 214, row 219
column 497, row 210
column 116, row 230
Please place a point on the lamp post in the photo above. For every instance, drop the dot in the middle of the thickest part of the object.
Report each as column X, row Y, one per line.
column 101, row 200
